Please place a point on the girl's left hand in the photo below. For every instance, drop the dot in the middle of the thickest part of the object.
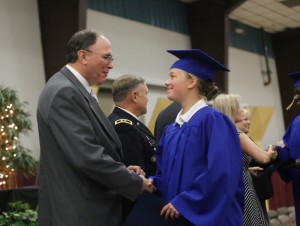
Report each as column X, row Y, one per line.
column 169, row 211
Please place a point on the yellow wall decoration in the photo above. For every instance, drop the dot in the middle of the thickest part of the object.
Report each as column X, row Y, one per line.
column 95, row 89
column 161, row 104
column 260, row 118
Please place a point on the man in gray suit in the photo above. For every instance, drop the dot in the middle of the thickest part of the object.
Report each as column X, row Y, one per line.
column 81, row 177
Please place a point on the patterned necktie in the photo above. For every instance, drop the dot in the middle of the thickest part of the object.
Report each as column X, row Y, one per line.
column 94, row 96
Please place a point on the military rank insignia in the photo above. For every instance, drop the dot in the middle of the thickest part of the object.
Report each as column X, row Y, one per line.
column 123, row 120
column 152, row 142
column 153, row 159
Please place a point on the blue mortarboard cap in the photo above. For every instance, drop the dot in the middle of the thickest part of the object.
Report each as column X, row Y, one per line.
column 296, row 77
column 198, row 63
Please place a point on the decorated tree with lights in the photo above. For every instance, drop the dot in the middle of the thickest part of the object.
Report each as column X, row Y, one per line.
column 14, row 121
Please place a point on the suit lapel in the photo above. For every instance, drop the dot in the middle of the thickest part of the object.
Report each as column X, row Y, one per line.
column 95, row 108
column 104, row 121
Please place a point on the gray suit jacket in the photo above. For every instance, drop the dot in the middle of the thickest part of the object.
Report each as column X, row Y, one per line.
column 81, row 177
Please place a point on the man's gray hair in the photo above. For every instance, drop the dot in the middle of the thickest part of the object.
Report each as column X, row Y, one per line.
column 123, row 85
column 81, row 40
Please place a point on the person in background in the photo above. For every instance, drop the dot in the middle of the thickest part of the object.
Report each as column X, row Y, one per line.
column 164, row 118
column 229, row 104
column 138, row 144
column 81, row 177
column 199, row 160
column 288, row 149
column 262, row 182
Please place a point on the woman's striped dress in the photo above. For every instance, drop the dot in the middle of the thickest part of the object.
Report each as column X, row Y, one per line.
column 253, row 212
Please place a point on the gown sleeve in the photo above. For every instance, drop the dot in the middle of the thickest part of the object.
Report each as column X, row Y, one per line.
column 157, row 179
column 291, row 140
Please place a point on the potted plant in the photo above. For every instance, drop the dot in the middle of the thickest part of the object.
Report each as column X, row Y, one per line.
column 19, row 214
column 14, row 120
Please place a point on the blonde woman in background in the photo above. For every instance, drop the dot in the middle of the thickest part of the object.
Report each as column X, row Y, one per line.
column 253, row 212
column 262, row 182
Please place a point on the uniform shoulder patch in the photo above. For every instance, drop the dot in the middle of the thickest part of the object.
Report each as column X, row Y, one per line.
column 123, row 120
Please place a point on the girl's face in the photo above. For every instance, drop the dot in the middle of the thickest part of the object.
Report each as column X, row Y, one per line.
column 177, row 85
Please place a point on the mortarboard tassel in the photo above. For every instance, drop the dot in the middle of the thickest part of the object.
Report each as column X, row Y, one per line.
column 291, row 104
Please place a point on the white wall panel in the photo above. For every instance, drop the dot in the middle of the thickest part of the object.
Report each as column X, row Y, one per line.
column 246, row 79
column 21, row 59
column 138, row 48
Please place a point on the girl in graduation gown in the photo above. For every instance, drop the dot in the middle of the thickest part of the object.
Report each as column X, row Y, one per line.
column 199, row 157
column 288, row 149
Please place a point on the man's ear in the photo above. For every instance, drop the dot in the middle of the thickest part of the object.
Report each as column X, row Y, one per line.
column 82, row 56
column 133, row 97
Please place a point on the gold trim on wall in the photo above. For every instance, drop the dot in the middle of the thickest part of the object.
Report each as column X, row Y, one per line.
column 161, row 104
column 260, row 118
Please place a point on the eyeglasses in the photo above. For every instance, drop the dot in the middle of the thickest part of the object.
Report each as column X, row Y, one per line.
column 107, row 58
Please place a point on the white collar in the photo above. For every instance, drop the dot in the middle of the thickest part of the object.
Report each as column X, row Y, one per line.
column 81, row 79
column 183, row 118
column 128, row 112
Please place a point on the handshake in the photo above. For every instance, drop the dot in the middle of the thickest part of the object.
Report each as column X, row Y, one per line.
column 271, row 150
column 147, row 183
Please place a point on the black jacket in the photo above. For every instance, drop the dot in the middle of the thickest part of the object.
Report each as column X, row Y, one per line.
column 166, row 117
column 138, row 143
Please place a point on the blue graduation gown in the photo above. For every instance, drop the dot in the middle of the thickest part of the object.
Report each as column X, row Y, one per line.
column 200, row 169
column 291, row 140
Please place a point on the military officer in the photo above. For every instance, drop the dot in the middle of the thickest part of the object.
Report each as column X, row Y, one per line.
column 138, row 143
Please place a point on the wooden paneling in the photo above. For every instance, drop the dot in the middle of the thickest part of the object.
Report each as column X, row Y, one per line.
column 59, row 20
column 208, row 25
column 286, row 47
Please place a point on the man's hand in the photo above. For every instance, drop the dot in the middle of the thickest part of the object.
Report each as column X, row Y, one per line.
column 137, row 169
column 147, row 185
column 169, row 211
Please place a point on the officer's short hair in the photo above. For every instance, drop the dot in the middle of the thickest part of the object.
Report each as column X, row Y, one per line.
column 124, row 85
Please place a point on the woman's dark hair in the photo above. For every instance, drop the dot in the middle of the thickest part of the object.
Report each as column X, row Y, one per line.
column 80, row 40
